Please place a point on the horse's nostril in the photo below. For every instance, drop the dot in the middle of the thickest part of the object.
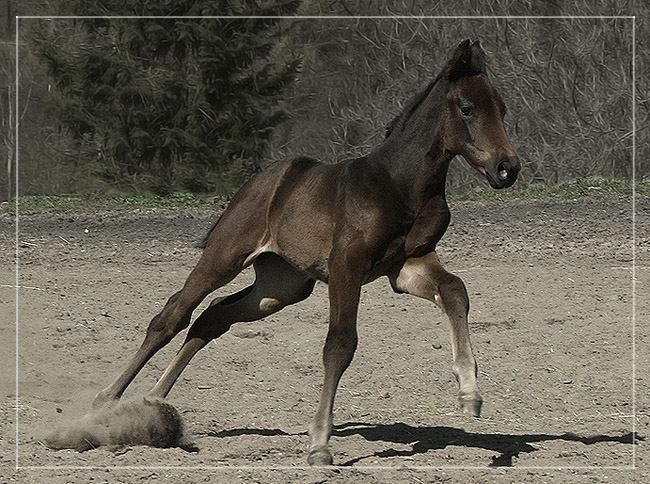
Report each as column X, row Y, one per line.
column 503, row 170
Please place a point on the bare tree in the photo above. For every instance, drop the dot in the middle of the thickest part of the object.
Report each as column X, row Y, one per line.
column 8, row 115
column 7, row 94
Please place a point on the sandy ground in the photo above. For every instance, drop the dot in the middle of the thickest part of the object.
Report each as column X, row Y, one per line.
column 551, row 289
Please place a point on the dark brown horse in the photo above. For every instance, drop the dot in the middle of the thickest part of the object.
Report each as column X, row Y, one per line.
column 347, row 224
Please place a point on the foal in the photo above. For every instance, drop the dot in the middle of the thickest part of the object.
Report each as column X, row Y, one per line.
column 347, row 224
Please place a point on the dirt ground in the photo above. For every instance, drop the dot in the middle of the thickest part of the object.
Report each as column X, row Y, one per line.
column 550, row 284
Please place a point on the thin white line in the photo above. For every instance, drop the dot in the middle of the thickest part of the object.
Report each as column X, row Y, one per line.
column 16, row 208
column 633, row 242
column 325, row 17
column 402, row 467
column 351, row 468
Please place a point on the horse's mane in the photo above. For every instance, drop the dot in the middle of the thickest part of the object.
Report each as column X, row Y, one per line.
column 410, row 108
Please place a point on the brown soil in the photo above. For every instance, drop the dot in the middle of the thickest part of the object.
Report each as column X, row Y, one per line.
column 551, row 289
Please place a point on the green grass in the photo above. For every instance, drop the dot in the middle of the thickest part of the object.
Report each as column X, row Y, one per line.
column 568, row 191
column 90, row 203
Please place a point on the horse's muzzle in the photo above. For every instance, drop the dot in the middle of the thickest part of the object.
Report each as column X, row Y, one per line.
column 503, row 173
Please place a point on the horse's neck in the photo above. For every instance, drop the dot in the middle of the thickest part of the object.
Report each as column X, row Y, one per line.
column 417, row 170
column 414, row 153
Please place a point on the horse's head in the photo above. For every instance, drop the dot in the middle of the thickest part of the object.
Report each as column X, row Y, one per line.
column 474, row 114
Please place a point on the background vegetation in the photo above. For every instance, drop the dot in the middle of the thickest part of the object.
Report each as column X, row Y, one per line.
column 567, row 84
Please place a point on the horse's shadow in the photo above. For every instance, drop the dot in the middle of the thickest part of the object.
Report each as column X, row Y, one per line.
column 424, row 439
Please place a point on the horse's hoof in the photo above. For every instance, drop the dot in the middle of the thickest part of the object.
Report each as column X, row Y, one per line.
column 320, row 457
column 471, row 405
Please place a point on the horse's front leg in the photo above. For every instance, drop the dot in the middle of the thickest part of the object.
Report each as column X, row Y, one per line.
column 425, row 277
column 344, row 293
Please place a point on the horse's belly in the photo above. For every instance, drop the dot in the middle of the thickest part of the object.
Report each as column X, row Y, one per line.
column 306, row 248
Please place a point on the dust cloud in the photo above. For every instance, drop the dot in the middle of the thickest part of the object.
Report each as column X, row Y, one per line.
column 149, row 422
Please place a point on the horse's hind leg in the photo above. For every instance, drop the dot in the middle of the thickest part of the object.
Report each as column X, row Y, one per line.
column 425, row 277
column 277, row 284
column 174, row 317
column 232, row 243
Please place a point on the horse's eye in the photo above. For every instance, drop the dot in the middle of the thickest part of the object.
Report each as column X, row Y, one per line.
column 466, row 110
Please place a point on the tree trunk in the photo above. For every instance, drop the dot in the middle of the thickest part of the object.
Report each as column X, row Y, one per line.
column 10, row 140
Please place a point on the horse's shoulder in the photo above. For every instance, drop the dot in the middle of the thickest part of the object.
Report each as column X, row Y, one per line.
column 429, row 226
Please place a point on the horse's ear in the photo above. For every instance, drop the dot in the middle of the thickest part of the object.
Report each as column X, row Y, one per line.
column 478, row 58
column 468, row 60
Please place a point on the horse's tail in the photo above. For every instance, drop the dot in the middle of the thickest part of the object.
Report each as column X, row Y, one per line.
column 204, row 241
